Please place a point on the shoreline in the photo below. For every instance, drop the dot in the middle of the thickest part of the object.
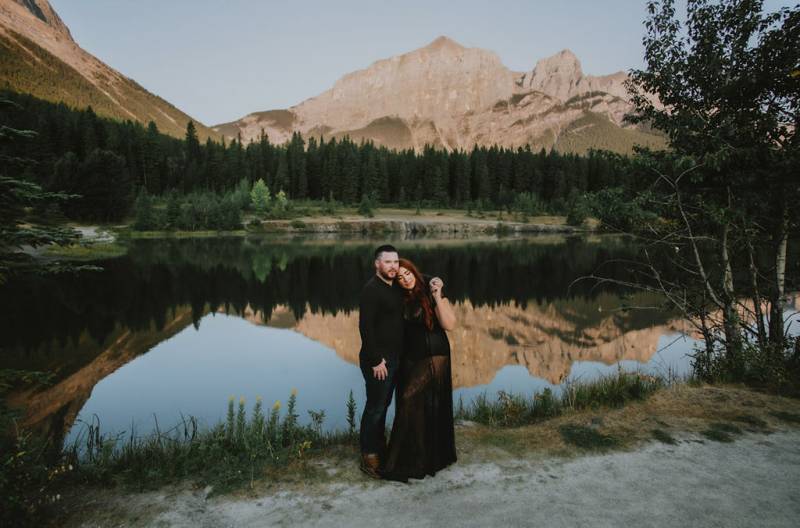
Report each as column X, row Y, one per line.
column 390, row 221
column 694, row 423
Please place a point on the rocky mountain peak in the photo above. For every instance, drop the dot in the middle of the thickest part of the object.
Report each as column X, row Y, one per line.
column 443, row 43
column 41, row 10
column 557, row 75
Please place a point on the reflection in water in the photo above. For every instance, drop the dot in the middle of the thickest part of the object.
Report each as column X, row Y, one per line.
column 120, row 344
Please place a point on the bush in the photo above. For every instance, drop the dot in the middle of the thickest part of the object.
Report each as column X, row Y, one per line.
column 329, row 206
column 144, row 216
column 513, row 410
column 527, row 205
column 578, row 211
column 209, row 211
column 366, row 206
column 234, row 452
column 260, row 197
column 173, row 214
column 618, row 211
column 241, row 194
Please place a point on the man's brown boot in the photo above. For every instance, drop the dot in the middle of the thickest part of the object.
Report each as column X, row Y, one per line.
column 370, row 464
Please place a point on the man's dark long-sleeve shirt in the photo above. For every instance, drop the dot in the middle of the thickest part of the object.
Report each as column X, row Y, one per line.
column 380, row 322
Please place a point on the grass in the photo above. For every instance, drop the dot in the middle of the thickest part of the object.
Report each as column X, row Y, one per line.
column 513, row 410
column 721, row 432
column 231, row 455
column 789, row 417
column 754, row 422
column 87, row 251
column 133, row 234
column 664, row 437
column 226, row 458
column 585, row 437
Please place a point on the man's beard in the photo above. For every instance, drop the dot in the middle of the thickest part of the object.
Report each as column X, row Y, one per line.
column 385, row 276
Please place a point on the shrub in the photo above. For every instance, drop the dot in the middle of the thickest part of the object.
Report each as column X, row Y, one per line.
column 260, row 196
column 366, row 206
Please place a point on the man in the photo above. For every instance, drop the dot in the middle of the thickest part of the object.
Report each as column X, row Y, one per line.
column 380, row 323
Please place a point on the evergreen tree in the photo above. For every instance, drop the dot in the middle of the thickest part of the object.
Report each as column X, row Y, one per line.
column 260, row 196
column 282, row 174
column 144, row 219
column 298, row 186
column 350, row 172
column 462, row 180
column 173, row 210
column 192, row 143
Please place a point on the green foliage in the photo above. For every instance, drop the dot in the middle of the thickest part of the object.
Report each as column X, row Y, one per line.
column 103, row 183
column 29, row 480
column 768, row 367
column 144, row 217
column 586, row 438
column 30, row 472
column 618, row 211
column 721, row 83
column 281, row 202
column 18, row 227
column 81, row 152
column 579, row 209
column 366, row 206
column 260, row 196
column 329, row 206
column 527, row 205
column 351, row 414
column 231, row 454
column 241, row 194
column 173, row 215
column 513, row 410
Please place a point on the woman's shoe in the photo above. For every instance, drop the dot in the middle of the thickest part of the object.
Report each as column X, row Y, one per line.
column 370, row 465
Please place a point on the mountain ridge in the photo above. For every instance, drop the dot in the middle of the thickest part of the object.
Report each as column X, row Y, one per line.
column 455, row 97
column 42, row 58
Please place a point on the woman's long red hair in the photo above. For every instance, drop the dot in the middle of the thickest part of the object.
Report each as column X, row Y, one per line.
column 419, row 293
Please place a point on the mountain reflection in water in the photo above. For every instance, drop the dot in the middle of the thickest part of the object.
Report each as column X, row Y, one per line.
column 515, row 299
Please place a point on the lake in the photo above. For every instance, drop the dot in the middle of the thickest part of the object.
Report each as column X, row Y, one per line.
column 178, row 326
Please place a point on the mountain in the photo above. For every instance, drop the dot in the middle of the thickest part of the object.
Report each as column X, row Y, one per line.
column 454, row 97
column 40, row 57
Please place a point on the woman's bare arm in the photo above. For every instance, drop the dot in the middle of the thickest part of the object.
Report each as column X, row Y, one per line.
column 444, row 310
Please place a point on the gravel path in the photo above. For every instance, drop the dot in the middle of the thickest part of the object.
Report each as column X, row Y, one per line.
column 754, row 481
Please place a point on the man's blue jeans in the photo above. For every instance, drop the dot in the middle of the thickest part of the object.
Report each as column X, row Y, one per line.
column 373, row 420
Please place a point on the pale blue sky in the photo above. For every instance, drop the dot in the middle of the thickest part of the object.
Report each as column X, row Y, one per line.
column 220, row 60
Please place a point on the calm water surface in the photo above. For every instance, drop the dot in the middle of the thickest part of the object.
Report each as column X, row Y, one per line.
column 176, row 327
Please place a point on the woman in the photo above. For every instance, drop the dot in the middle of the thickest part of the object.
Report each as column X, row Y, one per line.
column 423, row 438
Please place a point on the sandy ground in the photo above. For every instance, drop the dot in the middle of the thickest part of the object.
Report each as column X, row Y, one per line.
column 754, row 481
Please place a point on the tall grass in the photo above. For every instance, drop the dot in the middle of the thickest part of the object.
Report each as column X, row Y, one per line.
column 513, row 410
column 232, row 453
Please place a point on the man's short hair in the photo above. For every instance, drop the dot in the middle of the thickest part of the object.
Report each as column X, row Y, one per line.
column 386, row 248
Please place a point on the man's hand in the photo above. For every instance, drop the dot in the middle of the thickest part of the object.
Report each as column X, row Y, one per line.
column 380, row 371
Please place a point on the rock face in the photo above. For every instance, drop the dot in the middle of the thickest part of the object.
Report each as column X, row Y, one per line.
column 561, row 76
column 453, row 97
column 40, row 57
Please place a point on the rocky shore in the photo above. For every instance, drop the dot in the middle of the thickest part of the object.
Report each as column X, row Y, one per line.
column 414, row 227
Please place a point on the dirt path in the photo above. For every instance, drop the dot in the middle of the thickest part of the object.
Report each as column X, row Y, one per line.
column 754, row 481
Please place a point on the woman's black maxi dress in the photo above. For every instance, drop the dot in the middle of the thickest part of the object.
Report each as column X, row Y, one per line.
column 422, row 440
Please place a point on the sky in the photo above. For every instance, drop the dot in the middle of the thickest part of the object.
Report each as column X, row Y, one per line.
column 221, row 60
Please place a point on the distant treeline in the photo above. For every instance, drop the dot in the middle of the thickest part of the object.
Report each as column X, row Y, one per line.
column 110, row 162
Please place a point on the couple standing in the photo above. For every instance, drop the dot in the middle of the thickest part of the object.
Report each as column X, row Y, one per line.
column 402, row 320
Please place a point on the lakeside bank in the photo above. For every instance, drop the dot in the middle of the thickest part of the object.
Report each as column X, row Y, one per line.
column 742, row 440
